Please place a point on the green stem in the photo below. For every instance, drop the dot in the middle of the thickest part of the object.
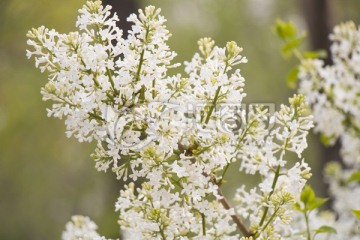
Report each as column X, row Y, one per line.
column 307, row 226
column 268, row 222
column 97, row 84
column 161, row 227
column 203, row 224
column 142, row 94
column 176, row 182
column 140, row 65
column 95, row 116
column 110, row 78
column 298, row 54
column 243, row 135
column 277, row 174
column 142, row 56
column 162, row 234
column 62, row 100
column 223, row 174
column 153, row 90
column 213, row 105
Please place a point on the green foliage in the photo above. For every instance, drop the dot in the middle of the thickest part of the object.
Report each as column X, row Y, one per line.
column 309, row 200
column 285, row 30
column 39, row 177
column 288, row 32
column 326, row 140
column 292, row 77
column 29, row 155
column 325, row 229
column 315, row 54
column 289, row 47
column 292, row 40
column 357, row 214
column 355, row 177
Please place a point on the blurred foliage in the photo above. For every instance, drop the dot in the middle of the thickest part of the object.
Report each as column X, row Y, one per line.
column 45, row 177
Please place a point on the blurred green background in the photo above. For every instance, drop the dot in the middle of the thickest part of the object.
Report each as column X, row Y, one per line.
column 45, row 177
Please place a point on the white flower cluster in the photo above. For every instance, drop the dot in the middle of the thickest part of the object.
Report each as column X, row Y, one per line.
column 334, row 95
column 269, row 205
column 173, row 136
column 81, row 228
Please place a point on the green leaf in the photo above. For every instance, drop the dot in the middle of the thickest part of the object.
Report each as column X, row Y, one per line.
column 307, row 195
column 297, row 207
column 317, row 203
column 356, row 213
column 292, row 77
column 326, row 140
column 315, row 54
column 325, row 229
column 291, row 45
column 310, row 200
column 285, row 30
column 355, row 177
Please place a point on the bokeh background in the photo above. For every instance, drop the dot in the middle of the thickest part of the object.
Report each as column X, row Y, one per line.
column 45, row 177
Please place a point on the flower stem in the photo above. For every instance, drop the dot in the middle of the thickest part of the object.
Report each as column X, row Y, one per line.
column 277, row 173
column 108, row 72
column 268, row 222
column 203, row 224
column 163, row 237
column 153, row 90
column 142, row 94
column 241, row 226
column 140, row 65
column 223, row 174
column 307, row 226
column 213, row 105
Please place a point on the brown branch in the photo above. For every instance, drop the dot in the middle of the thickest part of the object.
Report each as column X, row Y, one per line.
column 241, row 226
column 234, row 217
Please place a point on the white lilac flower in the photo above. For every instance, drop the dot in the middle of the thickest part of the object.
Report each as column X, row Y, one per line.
column 82, row 228
column 333, row 93
column 178, row 135
column 269, row 206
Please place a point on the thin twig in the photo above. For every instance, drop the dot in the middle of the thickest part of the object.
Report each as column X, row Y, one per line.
column 241, row 226
column 234, row 217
